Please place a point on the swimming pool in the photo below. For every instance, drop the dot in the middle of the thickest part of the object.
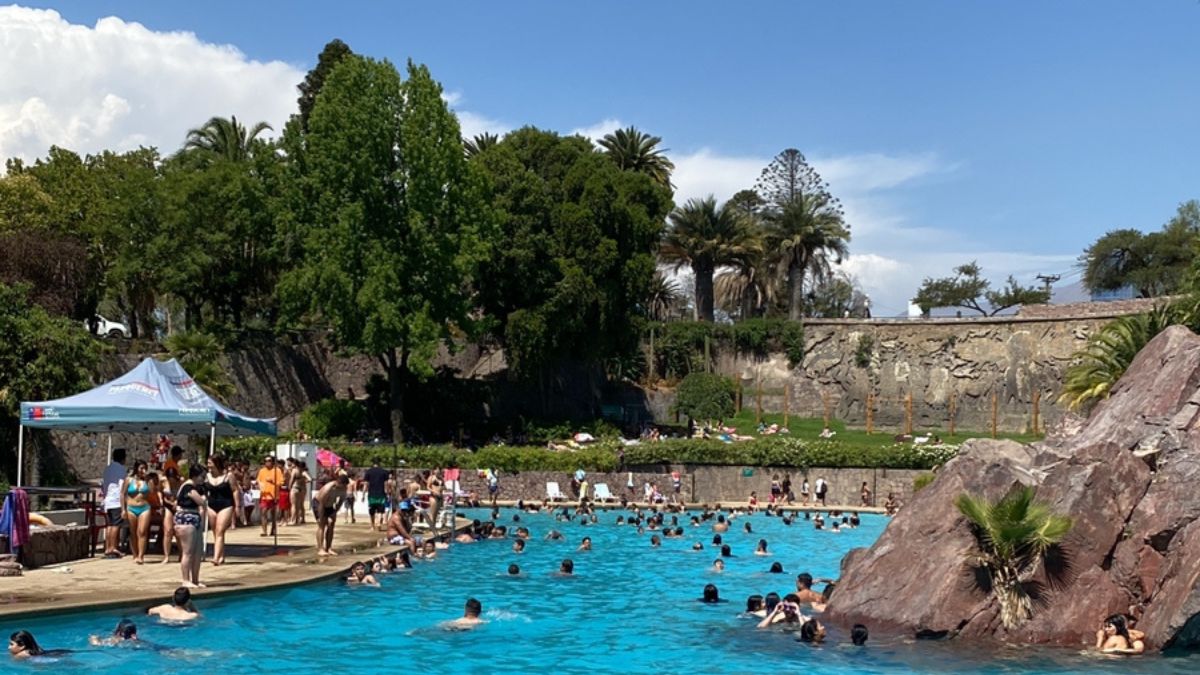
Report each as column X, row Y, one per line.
column 629, row 608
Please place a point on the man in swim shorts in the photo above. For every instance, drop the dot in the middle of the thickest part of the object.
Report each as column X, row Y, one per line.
column 325, row 511
column 470, row 617
column 377, row 480
column 398, row 533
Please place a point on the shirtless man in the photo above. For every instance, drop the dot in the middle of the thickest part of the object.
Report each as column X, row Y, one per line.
column 804, row 590
column 179, row 609
column 325, row 511
column 398, row 533
column 360, row 576
column 470, row 617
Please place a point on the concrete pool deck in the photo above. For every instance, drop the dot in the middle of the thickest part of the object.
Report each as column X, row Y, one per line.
column 253, row 563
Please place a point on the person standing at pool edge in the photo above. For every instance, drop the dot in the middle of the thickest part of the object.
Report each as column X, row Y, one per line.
column 377, row 480
column 114, row 476
column 325, row 511
column 270, row 482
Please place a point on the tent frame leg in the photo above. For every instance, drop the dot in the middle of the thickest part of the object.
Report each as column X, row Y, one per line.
column 20, row 453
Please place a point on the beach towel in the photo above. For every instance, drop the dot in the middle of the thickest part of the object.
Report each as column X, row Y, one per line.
column 14, row 520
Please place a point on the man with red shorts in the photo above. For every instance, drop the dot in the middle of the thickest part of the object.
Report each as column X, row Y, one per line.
column 270, row 487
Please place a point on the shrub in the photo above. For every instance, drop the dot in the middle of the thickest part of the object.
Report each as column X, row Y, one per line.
column 249, row 449
column 705, row 396
column 332, row 418
column 862, row 351
column 921, row 481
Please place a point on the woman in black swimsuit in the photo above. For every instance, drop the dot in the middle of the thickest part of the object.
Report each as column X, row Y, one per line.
column 188, row 502
column 224, row 495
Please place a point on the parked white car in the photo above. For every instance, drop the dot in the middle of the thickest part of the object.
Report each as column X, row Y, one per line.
column 106, row 328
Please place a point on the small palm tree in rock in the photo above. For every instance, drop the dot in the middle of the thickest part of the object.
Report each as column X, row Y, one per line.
column 1015, row 537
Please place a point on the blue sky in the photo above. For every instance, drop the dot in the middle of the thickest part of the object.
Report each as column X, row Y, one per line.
column 1015, row 133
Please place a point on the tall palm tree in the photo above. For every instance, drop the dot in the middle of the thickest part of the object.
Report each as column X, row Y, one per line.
column 226, row 138
column 634, row 150
column 199, row 354
column 808, row 232
column 706, row 237
column 1015, row 535
column 747, row 288
column 480, row 143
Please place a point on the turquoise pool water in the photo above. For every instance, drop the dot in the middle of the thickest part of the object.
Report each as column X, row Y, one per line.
column 629, row 608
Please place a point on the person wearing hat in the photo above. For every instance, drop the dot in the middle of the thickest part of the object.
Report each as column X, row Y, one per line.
column 398, row 533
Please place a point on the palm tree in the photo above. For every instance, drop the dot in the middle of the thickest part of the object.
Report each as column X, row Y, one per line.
column 663, row 298
column 226, row 138
column 634, row 150
column 746, row 288
column 806, row 232
column 1015, row 535
column 706, row 237
column 480, row 143
column 1109, row 352
column 198, row 354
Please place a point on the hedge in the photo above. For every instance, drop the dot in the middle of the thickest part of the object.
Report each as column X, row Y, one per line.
column 605, row 455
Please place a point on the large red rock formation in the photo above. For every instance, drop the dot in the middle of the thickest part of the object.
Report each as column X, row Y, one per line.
column 1129, row 478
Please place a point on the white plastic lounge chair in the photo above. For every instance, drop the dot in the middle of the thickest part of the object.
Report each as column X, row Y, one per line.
column 553, row 493
column 602, row 493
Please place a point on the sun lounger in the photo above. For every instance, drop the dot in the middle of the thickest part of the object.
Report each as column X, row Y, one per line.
column 553, row 493
column 602, row 493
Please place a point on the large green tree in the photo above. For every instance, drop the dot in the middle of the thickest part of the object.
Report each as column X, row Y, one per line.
column 705, row 237
column 1153, row 264
column 41, row 357
column 806, row 227
column 335, row 50
column 399, row 222
column 571, row 273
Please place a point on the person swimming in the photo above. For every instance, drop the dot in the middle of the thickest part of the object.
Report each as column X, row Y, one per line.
column 710, row 595
column 22, row 645
column 1115, row 637
column 585, row 544
column 776, row 568
column 179, row 609
column 761, row 549
column 858, row 635
column 755, row 606
column 567, row 568
column 360, row 576
column 514, row 570
column 718, row 565
column 126, row 631
column 470, row 618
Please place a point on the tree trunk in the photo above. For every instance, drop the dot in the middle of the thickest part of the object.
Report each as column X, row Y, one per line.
column 396, row 368
column 795, row 291
column 1015, row 607
column 703, row 271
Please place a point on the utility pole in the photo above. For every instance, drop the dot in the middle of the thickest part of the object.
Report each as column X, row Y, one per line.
column 1048, row 279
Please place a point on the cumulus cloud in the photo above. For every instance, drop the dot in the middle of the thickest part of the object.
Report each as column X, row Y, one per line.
column 598, row 130
column 118, row 85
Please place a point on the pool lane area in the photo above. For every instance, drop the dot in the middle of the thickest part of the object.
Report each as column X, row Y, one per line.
column 629, row 607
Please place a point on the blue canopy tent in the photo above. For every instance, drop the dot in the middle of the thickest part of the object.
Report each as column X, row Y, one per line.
column 156, row 397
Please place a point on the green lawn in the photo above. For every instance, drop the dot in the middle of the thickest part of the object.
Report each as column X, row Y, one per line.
column 810, row 428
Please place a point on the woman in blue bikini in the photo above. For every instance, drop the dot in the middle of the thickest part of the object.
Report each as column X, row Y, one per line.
column 135, row 501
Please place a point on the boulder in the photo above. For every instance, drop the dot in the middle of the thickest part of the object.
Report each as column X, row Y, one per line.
column 914, row 576
column 1127, row 477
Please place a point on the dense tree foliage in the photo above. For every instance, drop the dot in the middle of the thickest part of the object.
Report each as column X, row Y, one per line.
column 398, row 224
column 706, row 397
column 969, row 290
column 41, row 357
column 333, row 53
column 572, row 266
column 634, row 150
column 1151, row 264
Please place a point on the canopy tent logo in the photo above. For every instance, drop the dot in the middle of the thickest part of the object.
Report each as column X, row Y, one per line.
column 188, row 389
column 40, row 413
column 142, row 388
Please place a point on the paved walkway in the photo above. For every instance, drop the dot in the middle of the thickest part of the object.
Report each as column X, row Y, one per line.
column 252, row 563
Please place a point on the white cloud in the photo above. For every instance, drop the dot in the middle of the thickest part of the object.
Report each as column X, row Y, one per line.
column 598, row 130
column 118, row 85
